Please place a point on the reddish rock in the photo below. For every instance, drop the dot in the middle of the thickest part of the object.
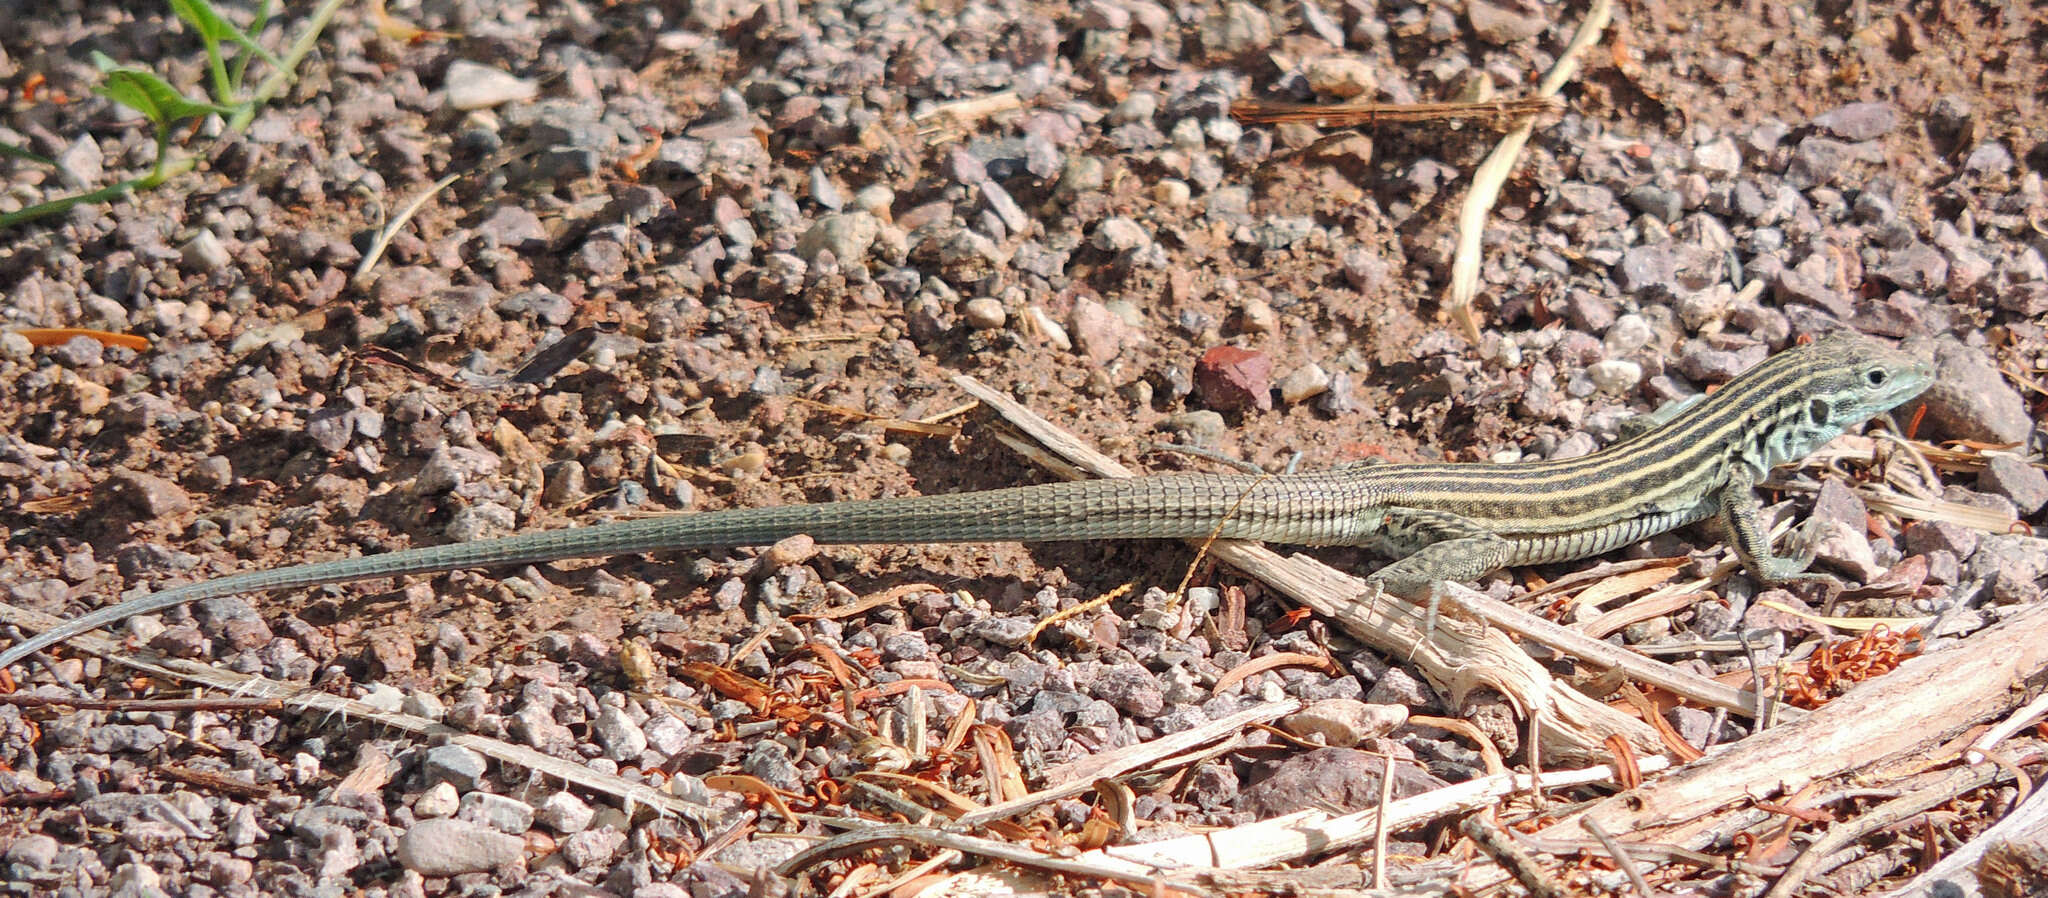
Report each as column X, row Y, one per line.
column 1229, row 378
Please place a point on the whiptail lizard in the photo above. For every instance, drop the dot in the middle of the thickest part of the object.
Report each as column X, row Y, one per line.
column 1444, row 521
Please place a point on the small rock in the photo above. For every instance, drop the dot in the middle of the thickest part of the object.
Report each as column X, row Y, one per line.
column 439, row 801
column 1928, row 537
column 455, row 765
column 204, row 252
column 847, row 235
column 1506, row 21
column 1656, row 202
column 34, row 851
column 1005, row 208
column 1237, row 29
column 1258, row 317
column 1342, row 77
column 1097, row 332
column 147, row 495
column 454, row 847
column 564, row 813
column 1397, row 687
column 824, row 192
column 592, row 847
column 1119, row 234
column 1201, row 428
column 514, row 227
column 1304, row 383
column 621, row 738
column 1718, row 157
column 1340, row 780
column 791, row 550
column 1646, row 267
column 1344, row 722
column 1989, row 158
column 1054, row 333
column 1229, row 378
column 1859, row 121
column 476, row 86
column 909, row 645
column 2013, row 478
column 506, row 815
column 984, row 313
column 1615, row 376
column 79, row 352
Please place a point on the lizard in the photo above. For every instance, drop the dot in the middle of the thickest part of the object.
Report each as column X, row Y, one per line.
column 1441, row 520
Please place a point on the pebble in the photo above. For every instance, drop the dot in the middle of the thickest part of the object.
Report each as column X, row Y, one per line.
column 1119, row 234
column 1344, row 722
column 846, row 235
column 790, row 550
column 1304, row 383
column 1506, row 21
column 983, row 313
column 1054, row 333
column 147, row 495
column 445, row 847
column 1098, row 333
column 592, row 847
column 504, row 814
column 455, row 765
column 1859, row 121
column 440, row 800
column 474, row 86
column 2015, row 479
column 564, row 813
column 621, row 738
column 1615, row 376
column 33, row 850
column 1237, row 29
column 204, row 252
column 1200, row 428
column 1005, row 208
column 1343, row 77
column 1229, row 378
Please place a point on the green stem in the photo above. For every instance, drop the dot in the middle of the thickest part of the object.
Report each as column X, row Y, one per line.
column 275, row 84
column 223, row 91
column 163, row 170
column 248, row 52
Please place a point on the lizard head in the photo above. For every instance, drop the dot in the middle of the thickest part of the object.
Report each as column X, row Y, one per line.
column 1847, row 380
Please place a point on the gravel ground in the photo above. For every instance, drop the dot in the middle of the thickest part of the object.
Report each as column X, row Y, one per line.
column 775, row 232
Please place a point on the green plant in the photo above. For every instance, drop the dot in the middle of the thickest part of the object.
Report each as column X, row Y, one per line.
column 165, row 107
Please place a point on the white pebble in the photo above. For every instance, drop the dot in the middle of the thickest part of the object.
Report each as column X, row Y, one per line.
column 476, row 86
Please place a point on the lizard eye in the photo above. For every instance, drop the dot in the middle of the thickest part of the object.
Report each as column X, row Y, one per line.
column 1818, row 410
column 1875, row 376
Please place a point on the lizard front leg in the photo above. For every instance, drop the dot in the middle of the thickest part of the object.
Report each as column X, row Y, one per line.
column 1739, row 512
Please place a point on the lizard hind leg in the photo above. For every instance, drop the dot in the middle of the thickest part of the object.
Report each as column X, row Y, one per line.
column 1454, row 548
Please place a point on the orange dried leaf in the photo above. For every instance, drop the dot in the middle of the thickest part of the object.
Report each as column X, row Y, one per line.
column 58, row 336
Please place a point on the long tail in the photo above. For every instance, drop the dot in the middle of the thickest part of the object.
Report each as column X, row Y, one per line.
column 1309, row 509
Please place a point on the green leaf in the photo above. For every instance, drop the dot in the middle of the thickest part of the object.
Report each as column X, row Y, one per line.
column 213, row 28
column 142, row 91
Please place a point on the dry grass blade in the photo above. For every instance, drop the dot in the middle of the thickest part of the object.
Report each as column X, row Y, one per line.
column 1342, row 115
column 1492, row 173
